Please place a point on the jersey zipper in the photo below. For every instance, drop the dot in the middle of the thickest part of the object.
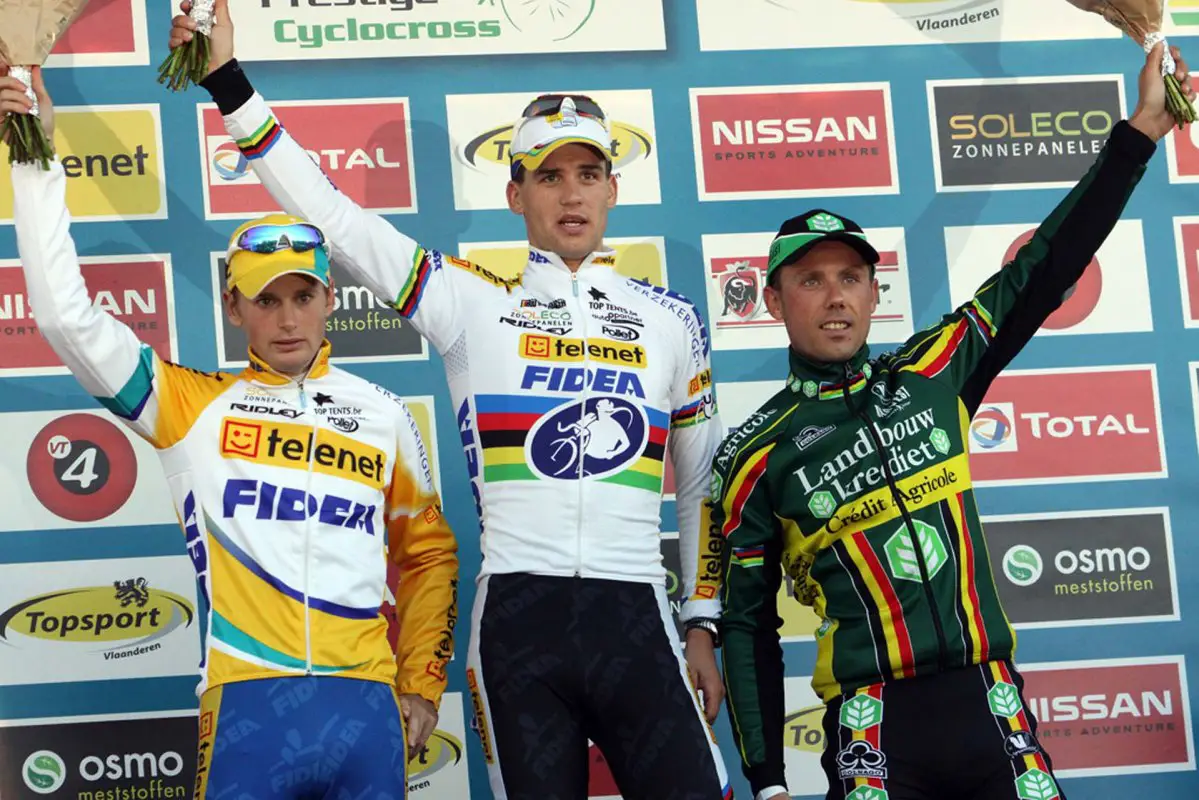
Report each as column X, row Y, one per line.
column 308, row 534
column 897, row 494
column 574, row 283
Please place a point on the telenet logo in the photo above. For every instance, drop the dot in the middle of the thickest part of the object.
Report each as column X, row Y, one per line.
column 112, row 156
column 643, row 258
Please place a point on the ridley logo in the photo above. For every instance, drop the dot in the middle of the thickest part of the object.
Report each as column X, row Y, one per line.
column 794, row 141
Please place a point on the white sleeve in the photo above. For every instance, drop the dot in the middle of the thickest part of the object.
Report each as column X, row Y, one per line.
column 153, row 398
column 695, row 435
column 395, row 268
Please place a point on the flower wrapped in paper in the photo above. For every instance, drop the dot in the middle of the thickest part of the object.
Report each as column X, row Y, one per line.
column 188, row 63
column 1142, row 21
column 29, row 29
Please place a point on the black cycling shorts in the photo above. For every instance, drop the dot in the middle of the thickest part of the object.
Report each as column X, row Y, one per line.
column 554, row 662
column 965, row 734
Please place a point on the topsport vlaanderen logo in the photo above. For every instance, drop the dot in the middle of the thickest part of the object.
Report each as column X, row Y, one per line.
column 129, row 613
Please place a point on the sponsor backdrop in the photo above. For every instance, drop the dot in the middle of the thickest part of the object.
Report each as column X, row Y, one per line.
column 948, row 129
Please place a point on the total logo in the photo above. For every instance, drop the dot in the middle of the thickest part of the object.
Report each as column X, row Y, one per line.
column 45, row 772
column 1023, row 565
column 992, row 429
column 226, row 162
column 364, row 147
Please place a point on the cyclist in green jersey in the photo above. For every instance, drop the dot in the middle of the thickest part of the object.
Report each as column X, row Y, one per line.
column 829, row 478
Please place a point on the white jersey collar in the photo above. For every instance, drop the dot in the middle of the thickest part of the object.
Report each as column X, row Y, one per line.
column 546, row 270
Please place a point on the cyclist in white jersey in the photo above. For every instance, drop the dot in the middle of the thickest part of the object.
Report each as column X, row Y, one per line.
column 567, row 383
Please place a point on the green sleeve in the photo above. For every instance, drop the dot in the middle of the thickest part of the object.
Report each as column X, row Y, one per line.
column 971, row 346
column 752, row 656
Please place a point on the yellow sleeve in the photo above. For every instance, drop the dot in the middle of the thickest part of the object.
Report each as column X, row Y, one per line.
column 422, row 545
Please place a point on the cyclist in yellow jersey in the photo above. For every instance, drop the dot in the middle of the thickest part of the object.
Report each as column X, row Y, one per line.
column 295, row 483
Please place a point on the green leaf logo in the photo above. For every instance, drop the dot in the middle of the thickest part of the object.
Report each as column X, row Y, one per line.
column 1004, row 700
column 867, row 793
column 901, row 554
column 1036, row 785
column 826, row 223
column 861, row 712
column 822, row 505
column 940, row 441
column 810, row 389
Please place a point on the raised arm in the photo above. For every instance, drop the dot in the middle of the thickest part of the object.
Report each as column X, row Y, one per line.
column 969, row 347
column 156, row 399
column 395, row 268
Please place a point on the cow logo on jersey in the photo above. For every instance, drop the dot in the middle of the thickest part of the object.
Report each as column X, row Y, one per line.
column 597, row 437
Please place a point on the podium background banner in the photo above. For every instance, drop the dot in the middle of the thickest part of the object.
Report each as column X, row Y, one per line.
column 948, row 129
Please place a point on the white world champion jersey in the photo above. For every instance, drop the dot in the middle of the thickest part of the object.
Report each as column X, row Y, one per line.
column 567, row 386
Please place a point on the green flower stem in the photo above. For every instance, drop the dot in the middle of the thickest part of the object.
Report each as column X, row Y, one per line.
column 1177, row 103
column 187, row 63
column 28, row 143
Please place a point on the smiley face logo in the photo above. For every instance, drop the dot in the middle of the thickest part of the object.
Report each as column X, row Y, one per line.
column 240, row 439
column 535, row 346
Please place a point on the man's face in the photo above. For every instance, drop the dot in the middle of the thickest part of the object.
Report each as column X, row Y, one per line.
column 825, row 300
column 565, row 202
column 285, row 323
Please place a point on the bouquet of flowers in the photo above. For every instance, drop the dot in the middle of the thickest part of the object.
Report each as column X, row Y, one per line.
column 189, row 61
column 29, row 29
column 1142, row 20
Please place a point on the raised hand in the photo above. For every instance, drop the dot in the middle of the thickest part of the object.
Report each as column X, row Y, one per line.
column 1152, row 116
column 220, row 40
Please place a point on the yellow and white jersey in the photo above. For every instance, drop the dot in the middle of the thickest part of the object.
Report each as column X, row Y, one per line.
column 292, row 494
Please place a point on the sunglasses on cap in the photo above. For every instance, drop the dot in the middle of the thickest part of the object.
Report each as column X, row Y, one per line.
column 548, row 104
column 297, row 236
